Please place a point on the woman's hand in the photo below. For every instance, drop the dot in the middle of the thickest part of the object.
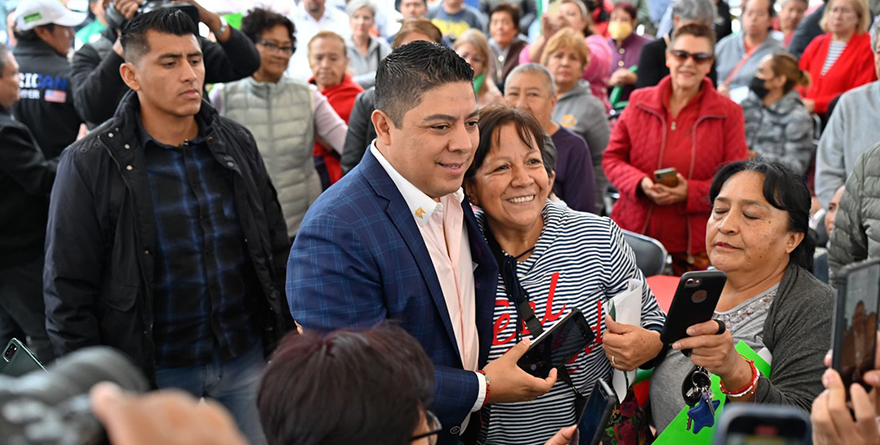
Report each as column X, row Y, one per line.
column 628, row 347
column 671, row 195
column 716, row 353
column 622, row 76
column 724, row 90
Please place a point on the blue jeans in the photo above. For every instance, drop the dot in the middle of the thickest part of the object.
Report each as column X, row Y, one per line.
column 234, row 384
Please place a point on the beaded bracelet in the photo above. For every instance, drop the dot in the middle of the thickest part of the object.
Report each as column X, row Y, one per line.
column 747, row 389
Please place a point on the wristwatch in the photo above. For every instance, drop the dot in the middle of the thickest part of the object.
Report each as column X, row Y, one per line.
column 223, row 26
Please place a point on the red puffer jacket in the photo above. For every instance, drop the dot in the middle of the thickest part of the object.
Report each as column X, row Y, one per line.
column 638, row 146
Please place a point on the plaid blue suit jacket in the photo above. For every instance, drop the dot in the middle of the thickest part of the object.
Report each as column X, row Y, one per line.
column 359, row 258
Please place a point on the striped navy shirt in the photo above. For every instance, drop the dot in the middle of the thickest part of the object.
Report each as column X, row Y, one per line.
column 580, row 261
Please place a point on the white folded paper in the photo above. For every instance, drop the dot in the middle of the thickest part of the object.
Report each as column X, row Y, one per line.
column 628, row 310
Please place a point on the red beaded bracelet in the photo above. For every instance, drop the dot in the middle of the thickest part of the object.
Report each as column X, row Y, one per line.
column 488, row 383
column 748, row 388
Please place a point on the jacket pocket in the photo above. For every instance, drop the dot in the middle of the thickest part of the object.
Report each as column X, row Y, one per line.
column 118, row 296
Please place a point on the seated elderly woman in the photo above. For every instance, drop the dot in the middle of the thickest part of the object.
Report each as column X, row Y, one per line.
column 377, row 385
column 563, row 259
column 284, row 115
column 757, row 235
column 682, row 123
column 577, row 109
column 473, row 47
column 364, row 50
column 530, row 87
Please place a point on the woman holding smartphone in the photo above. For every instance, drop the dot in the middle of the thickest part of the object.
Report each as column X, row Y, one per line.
column 557, row 259
column 682, row 123
column 757, row 235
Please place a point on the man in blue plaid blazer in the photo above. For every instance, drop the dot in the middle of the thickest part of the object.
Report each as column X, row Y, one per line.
column 364, row 253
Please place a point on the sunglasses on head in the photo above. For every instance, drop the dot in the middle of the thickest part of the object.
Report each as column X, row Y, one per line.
column 682, row 56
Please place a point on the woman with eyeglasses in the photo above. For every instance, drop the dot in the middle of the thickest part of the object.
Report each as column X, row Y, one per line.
column 681, row 124
column 841, row 59
column 284, row 115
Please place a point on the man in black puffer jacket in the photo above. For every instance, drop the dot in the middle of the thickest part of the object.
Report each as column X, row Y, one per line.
column 26, row 178
column 166, row 239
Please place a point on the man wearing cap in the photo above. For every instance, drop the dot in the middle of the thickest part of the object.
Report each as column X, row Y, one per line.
column 43, row 30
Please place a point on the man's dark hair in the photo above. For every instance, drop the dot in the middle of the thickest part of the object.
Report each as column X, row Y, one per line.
column 163, row 20
column 4, row 53
column 31, row 34
column 495, row 117
column 345, row 387
column 783, row 189
column 258, row 20
column 411, row 70
column 511, row 10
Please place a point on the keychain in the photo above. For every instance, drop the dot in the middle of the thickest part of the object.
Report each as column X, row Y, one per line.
column 697, row 393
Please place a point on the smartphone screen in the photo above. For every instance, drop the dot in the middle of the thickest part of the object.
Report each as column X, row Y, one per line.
column 596, row 412
column 557, row 346
column 751, row 431
column 859, row 334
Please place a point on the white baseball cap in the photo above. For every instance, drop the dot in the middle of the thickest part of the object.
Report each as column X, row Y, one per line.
column 33, row 13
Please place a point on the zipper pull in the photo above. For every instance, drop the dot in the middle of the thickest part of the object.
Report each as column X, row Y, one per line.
column 673, row 125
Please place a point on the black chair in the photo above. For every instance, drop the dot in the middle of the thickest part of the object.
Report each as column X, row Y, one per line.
column 650, row 253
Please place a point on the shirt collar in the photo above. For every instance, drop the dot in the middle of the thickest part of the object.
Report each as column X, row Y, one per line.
column 421, row 206
column 146, row 138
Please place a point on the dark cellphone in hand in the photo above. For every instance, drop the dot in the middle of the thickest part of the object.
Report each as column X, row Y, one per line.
column 557, row 345
column 694, row 302
column 18, row 360
column 666, row 176
column 855, row 322
column 763, row 424
column 596, row 413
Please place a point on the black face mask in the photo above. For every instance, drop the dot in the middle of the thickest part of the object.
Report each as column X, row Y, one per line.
column 757, row 85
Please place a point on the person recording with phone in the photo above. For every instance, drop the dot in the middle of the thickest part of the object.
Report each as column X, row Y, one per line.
column 682, row 123
column 855, row 423
column 757, row 235
column 97, row 86
column 557, row 260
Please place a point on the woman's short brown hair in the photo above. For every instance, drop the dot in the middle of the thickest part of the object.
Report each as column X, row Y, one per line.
column 421, row 26
column 507, row 8
column 567, row 38
column 695, row 30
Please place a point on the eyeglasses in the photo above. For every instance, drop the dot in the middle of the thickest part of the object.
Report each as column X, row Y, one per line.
column 274, row 47
column 434, row 428
column 699, row 58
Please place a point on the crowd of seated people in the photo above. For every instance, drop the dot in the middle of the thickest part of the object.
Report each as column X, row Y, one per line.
column 190, row 186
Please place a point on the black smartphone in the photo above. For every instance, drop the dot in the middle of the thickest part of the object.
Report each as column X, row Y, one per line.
column 557, row 345
column 763, row 424
column 694, row 302
column 596, row 413
column 855, row 322
column 18, row 360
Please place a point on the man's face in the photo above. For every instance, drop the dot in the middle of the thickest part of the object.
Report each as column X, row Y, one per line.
column 9, row 83
column 314, row 6
column 791, row 14
column 170, row 76
column 60, row 38
column 436, row 143
column 328, row 61
column 413, row 9
column 453, row 5
column 756, row 18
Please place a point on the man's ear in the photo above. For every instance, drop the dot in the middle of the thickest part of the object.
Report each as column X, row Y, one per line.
column 43, row 33
column 383, row 124
column 129, row 76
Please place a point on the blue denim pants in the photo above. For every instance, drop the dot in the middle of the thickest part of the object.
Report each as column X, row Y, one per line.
column 233, row 384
